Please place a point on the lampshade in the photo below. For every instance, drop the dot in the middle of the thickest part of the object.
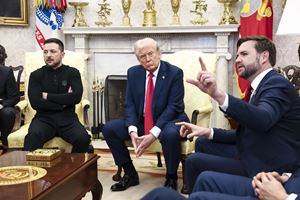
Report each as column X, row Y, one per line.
column 289, row 24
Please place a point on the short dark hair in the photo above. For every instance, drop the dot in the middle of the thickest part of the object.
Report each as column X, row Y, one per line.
column 262, row 44
column 56, row 41
column 3, row 54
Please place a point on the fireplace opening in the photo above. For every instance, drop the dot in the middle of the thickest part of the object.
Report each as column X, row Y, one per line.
column 114, row 96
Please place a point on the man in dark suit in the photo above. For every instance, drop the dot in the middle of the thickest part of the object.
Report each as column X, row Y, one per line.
column 166, row 108
column 53, row 91
column 267, row 138
column 9, row 97
column 220, row 186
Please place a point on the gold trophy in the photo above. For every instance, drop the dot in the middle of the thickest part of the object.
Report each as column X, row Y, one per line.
column 126, row 7
column 175, row 7
column 227, row 17
column 79, row 16
column 200, row 8
column 103, row 13
column 150, row 14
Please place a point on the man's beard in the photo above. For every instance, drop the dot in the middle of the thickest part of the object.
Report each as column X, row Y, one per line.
column 249, row 71
column 54, row 65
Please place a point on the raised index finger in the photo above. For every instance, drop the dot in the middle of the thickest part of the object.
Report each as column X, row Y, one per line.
column 203, row 67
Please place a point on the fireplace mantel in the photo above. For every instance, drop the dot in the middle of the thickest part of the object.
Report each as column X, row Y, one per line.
column 149, row 30
column 110, row 49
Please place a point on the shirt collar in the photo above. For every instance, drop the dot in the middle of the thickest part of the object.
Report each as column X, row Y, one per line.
column 155, row 72
column 257, row 80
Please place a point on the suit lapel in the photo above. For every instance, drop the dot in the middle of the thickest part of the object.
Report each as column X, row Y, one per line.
column 159, row 84
column 267, row 76
column 140, row 87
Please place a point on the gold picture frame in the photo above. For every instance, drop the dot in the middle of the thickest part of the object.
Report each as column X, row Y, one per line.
column 14, row 12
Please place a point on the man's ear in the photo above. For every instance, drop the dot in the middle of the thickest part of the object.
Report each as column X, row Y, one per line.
column 265, row 56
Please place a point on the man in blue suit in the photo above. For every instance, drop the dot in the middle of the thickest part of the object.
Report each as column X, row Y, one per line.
column 220, row 186
column 9, row 97
column 167, row 107
column 267, row 138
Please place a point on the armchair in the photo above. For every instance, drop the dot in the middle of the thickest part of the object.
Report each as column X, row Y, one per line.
column 198, row 105
column 34, row 60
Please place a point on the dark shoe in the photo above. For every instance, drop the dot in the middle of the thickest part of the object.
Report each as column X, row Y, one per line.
column 171, row 183
column 125, row 182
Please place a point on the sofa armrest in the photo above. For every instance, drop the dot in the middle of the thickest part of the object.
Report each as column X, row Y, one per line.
column 201, row 112
column 20, row 107
column 85, row 106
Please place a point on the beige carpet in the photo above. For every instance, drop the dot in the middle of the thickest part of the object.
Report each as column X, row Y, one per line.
column 147, row 163
column 150, row 176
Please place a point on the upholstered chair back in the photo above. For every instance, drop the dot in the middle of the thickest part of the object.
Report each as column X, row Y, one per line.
column 35, row 60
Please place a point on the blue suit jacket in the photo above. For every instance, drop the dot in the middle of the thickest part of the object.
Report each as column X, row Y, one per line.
column 268, row 137
column 9, row 92
column 168, row 96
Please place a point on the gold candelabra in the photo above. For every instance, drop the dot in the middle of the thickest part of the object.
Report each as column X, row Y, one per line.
column 103, row 13
column 227, row 17
column 79, row 16
column 200, row 8
column 126, row 7
column 150, row 14
column 175, row 7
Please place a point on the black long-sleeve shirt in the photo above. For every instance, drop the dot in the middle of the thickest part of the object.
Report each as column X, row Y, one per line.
column 9, row 91
column 63, row 85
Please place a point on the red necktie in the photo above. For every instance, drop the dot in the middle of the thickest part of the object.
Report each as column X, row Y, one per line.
column 248, row 93
column 148, row 119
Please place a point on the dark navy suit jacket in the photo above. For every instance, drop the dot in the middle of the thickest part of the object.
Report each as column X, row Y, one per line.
column 9, row 92
column 168, row 96
column 268, row 137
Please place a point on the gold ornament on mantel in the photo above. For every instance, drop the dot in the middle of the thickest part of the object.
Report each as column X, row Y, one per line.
column 103, row 13
column 200, row 8
column 126, row 7
column 227, row 17
column 79, row 16
column 150, row 14
column 175, row 7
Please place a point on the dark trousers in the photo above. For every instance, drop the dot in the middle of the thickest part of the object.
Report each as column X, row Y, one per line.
column 219, row 186
column 115, row 133
column 163, row 193
column 213, row 157
column 7, row 121
column 69, row 128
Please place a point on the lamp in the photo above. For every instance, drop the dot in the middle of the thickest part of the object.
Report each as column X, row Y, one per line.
column 290, row 15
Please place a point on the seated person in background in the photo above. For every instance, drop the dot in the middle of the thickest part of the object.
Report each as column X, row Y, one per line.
column 146, row 120
column 220, row 186
column 267, row 138
column 53, row 92
column 9, row 97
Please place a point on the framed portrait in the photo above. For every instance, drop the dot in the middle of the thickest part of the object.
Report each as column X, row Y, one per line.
column 14, row 12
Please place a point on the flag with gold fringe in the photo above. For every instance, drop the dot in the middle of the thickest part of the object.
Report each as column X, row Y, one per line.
column 49, row 20
column 256, row 19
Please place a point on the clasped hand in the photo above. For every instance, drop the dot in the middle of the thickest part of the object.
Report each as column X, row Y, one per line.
column 268, row 186
column 140, row 143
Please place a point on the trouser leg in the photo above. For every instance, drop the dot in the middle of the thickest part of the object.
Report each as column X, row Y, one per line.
column 170, row 141
column 115, row 133
column 200, row 162
column 40, row 131
column 75, row 134
column 7, row 120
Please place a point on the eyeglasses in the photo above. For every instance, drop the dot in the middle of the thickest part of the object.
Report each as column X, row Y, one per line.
column 144, row 56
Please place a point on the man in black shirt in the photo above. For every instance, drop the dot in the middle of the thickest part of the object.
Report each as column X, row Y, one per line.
column 9, row 97
column 53, row 92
